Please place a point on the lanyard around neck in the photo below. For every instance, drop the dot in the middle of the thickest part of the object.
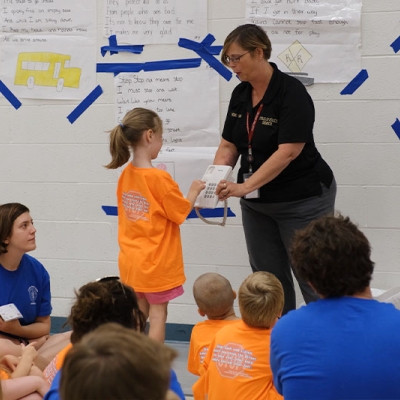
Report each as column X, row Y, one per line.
column 250, row 133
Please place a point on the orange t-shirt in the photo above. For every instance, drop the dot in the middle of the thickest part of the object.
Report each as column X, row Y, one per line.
column 4, row 374
column 150, row 209
column 237, row 366
column 201, row 337
column 55, row 364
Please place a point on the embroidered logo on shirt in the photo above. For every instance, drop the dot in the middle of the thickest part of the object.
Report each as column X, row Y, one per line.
column 135, row 206
column 232, row 359
column 32, row 290
column 268, row 121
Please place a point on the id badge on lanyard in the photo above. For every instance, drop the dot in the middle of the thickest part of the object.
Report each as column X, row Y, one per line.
column 255, row 194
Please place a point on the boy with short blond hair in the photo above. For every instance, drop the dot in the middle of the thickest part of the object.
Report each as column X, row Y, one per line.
column 214, row 298
column 237, row 365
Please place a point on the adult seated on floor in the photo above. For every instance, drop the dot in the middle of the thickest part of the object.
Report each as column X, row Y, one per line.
column 25, row 282
column 97, row 303
column 345, row 345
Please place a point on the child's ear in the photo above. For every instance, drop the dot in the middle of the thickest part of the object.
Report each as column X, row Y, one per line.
column 203, row 314
column 149, row 135
column 234, row 294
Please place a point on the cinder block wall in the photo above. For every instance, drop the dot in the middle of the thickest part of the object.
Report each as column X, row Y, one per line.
column 56, row 168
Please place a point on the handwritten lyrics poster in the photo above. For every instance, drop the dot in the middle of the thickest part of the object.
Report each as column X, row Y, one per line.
column 48, row 48
column 187, row 100
column 318, row 40
column 155, row 21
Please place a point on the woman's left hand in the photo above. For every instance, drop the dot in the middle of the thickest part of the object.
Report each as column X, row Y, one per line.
column 226, row 189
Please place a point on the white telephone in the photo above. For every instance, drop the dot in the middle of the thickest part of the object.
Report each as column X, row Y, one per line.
column 213, row 175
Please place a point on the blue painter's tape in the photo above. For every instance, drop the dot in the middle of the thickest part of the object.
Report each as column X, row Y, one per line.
column 206, row 213
column 110, row 210
column 172, row 64
column 117, row 68
column 137, row 49
column 85, row 104
column 207, row 52
column 9, row 96
column 114, row 48
column 396, row 45
column 112, row 40
column 396, row 127
column 358, row 80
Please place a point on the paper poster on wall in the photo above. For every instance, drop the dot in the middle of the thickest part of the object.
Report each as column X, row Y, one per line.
column 185, row 164
column 48, row 50
column 155, row 21
column 187, row 100
column 317, row 40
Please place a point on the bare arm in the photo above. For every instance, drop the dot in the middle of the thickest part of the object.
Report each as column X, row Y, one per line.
column 40, row 327
column 226, row 154
column 195, row 189
column 17, row 388
column 271, row 168
column 24, row 365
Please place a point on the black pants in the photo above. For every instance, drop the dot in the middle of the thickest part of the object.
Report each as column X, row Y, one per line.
column 269, row 229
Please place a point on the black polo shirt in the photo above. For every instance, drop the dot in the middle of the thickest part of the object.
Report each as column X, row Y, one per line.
column 287, row 116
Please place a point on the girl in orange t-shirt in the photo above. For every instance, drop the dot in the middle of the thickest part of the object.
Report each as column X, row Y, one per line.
column 150, row 209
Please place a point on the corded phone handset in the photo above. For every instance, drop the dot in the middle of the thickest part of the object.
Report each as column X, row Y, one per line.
column 207, row 197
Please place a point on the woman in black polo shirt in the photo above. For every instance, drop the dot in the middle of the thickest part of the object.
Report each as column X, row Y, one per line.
column 283, row 181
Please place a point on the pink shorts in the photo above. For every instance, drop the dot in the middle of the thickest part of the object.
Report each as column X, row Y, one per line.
column 160, row 297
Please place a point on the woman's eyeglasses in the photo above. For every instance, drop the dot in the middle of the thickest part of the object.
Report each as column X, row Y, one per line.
column 235, row 59
column 112, row 278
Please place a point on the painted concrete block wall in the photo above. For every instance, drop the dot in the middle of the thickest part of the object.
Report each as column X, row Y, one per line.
column 55, row 168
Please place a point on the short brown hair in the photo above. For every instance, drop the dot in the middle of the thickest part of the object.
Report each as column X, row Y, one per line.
column 333, row 255
column 9, row 212
column 249, row 37
column 100, row 302
column 261, row 299
column 116, row 363
column 213, row 294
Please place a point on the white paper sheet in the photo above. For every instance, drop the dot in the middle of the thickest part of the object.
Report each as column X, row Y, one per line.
column 48, row 49
column 190, row 113
column 155, row 21
column 315, row 39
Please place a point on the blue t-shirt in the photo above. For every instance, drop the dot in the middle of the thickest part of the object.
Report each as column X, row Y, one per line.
column 53, row 393
column 341, row 348
column 28, row 288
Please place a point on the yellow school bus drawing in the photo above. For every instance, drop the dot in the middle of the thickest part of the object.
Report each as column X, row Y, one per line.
column 46, row 69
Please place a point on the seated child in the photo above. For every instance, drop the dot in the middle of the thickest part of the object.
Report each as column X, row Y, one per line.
column 105, row 300
column 237, row 364
column 114, row 362
column 21, row 378
column 214, row 298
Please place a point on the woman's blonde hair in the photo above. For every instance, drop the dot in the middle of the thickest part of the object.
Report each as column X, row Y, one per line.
column 129, row 133
column 261, row 299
